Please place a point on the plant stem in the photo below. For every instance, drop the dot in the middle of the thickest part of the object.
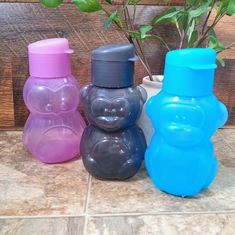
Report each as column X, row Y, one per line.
column 178, row 28
column 134, row 13
column 161, row 40
column 146, row 68
column 227, row 47
column 125, row 16
column 117, row 25
column 139, row 52
column 140, row 46
column 182, row 37
column 204, row 36
column 180, row 34
column 216, row 21
column 208, row 16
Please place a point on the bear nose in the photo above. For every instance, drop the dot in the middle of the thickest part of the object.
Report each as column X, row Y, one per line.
column 48, row 108
column 115, row 107
column 110, row 111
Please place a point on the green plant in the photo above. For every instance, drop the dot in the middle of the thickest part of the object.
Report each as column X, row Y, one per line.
column 51, row 3
column 122, row 19
column 192, row 20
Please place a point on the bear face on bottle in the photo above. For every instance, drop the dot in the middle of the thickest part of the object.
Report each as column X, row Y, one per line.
column 50, row 96
column 54, row 127
column 185, row 114
column 53, row 119
column 113, row 146
column 113, row 109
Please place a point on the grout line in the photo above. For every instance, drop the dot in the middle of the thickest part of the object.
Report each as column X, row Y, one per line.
column 163, row 213
column 40, row 216
column 120, row 214
column 86, row 206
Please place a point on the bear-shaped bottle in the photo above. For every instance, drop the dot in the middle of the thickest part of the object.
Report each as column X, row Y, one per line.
column 180, row 158
column 113, row 146
column 53, row 130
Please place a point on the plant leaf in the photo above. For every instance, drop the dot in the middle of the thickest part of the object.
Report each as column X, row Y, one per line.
column 221, row 7
column 113, row 17
column 134, row 34
column 191, row 29
column 191, row 2
column 87, row 5
column 184, row 20
column 212, row 33
column 51, row 3
column 193, row 39
column 135, row 2
column 109, row 1
column 213, row 42
column 144, row 29
column 107, row 22
column 166, row 17
column 198, row 11
column 231, row 8
column 220, row 60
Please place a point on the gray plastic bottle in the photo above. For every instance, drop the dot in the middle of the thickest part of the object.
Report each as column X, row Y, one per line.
column 113, row 146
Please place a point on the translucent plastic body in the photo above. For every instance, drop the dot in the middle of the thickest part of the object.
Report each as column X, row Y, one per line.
column 113, row 109
column 180, row 158
column 114, row 155
column 185, row 114
column 54, row 127
column 113, row 146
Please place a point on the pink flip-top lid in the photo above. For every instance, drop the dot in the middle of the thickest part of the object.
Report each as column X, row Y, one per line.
column 50, row 58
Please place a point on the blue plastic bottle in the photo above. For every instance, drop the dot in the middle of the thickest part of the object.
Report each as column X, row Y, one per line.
column 185, row 114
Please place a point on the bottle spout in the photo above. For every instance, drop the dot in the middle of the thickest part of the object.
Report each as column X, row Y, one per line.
column 133, row 59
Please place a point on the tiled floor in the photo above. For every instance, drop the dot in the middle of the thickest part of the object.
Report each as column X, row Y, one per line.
column 40, row 199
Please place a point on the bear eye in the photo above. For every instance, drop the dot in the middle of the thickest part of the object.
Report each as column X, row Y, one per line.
column 122, row 107
column 99, row 107
column 48, row 107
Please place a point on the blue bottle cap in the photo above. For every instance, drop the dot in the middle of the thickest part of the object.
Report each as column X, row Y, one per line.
column 190, row 72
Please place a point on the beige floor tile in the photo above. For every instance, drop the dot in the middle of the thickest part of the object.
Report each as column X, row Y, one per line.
column 138, row 195
column 28, row 187
column 42, row 226
column 217, row 136
column 229, row 136
column 225, row 153
column 209, row 224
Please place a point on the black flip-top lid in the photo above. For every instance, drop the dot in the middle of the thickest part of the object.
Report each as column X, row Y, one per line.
column 113, row 65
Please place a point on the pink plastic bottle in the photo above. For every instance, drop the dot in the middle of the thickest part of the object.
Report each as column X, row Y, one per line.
column 54, row 128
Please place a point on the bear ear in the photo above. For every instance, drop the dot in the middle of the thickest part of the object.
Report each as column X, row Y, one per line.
column 143, row 93
column 223, row 114
column 84, row 91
